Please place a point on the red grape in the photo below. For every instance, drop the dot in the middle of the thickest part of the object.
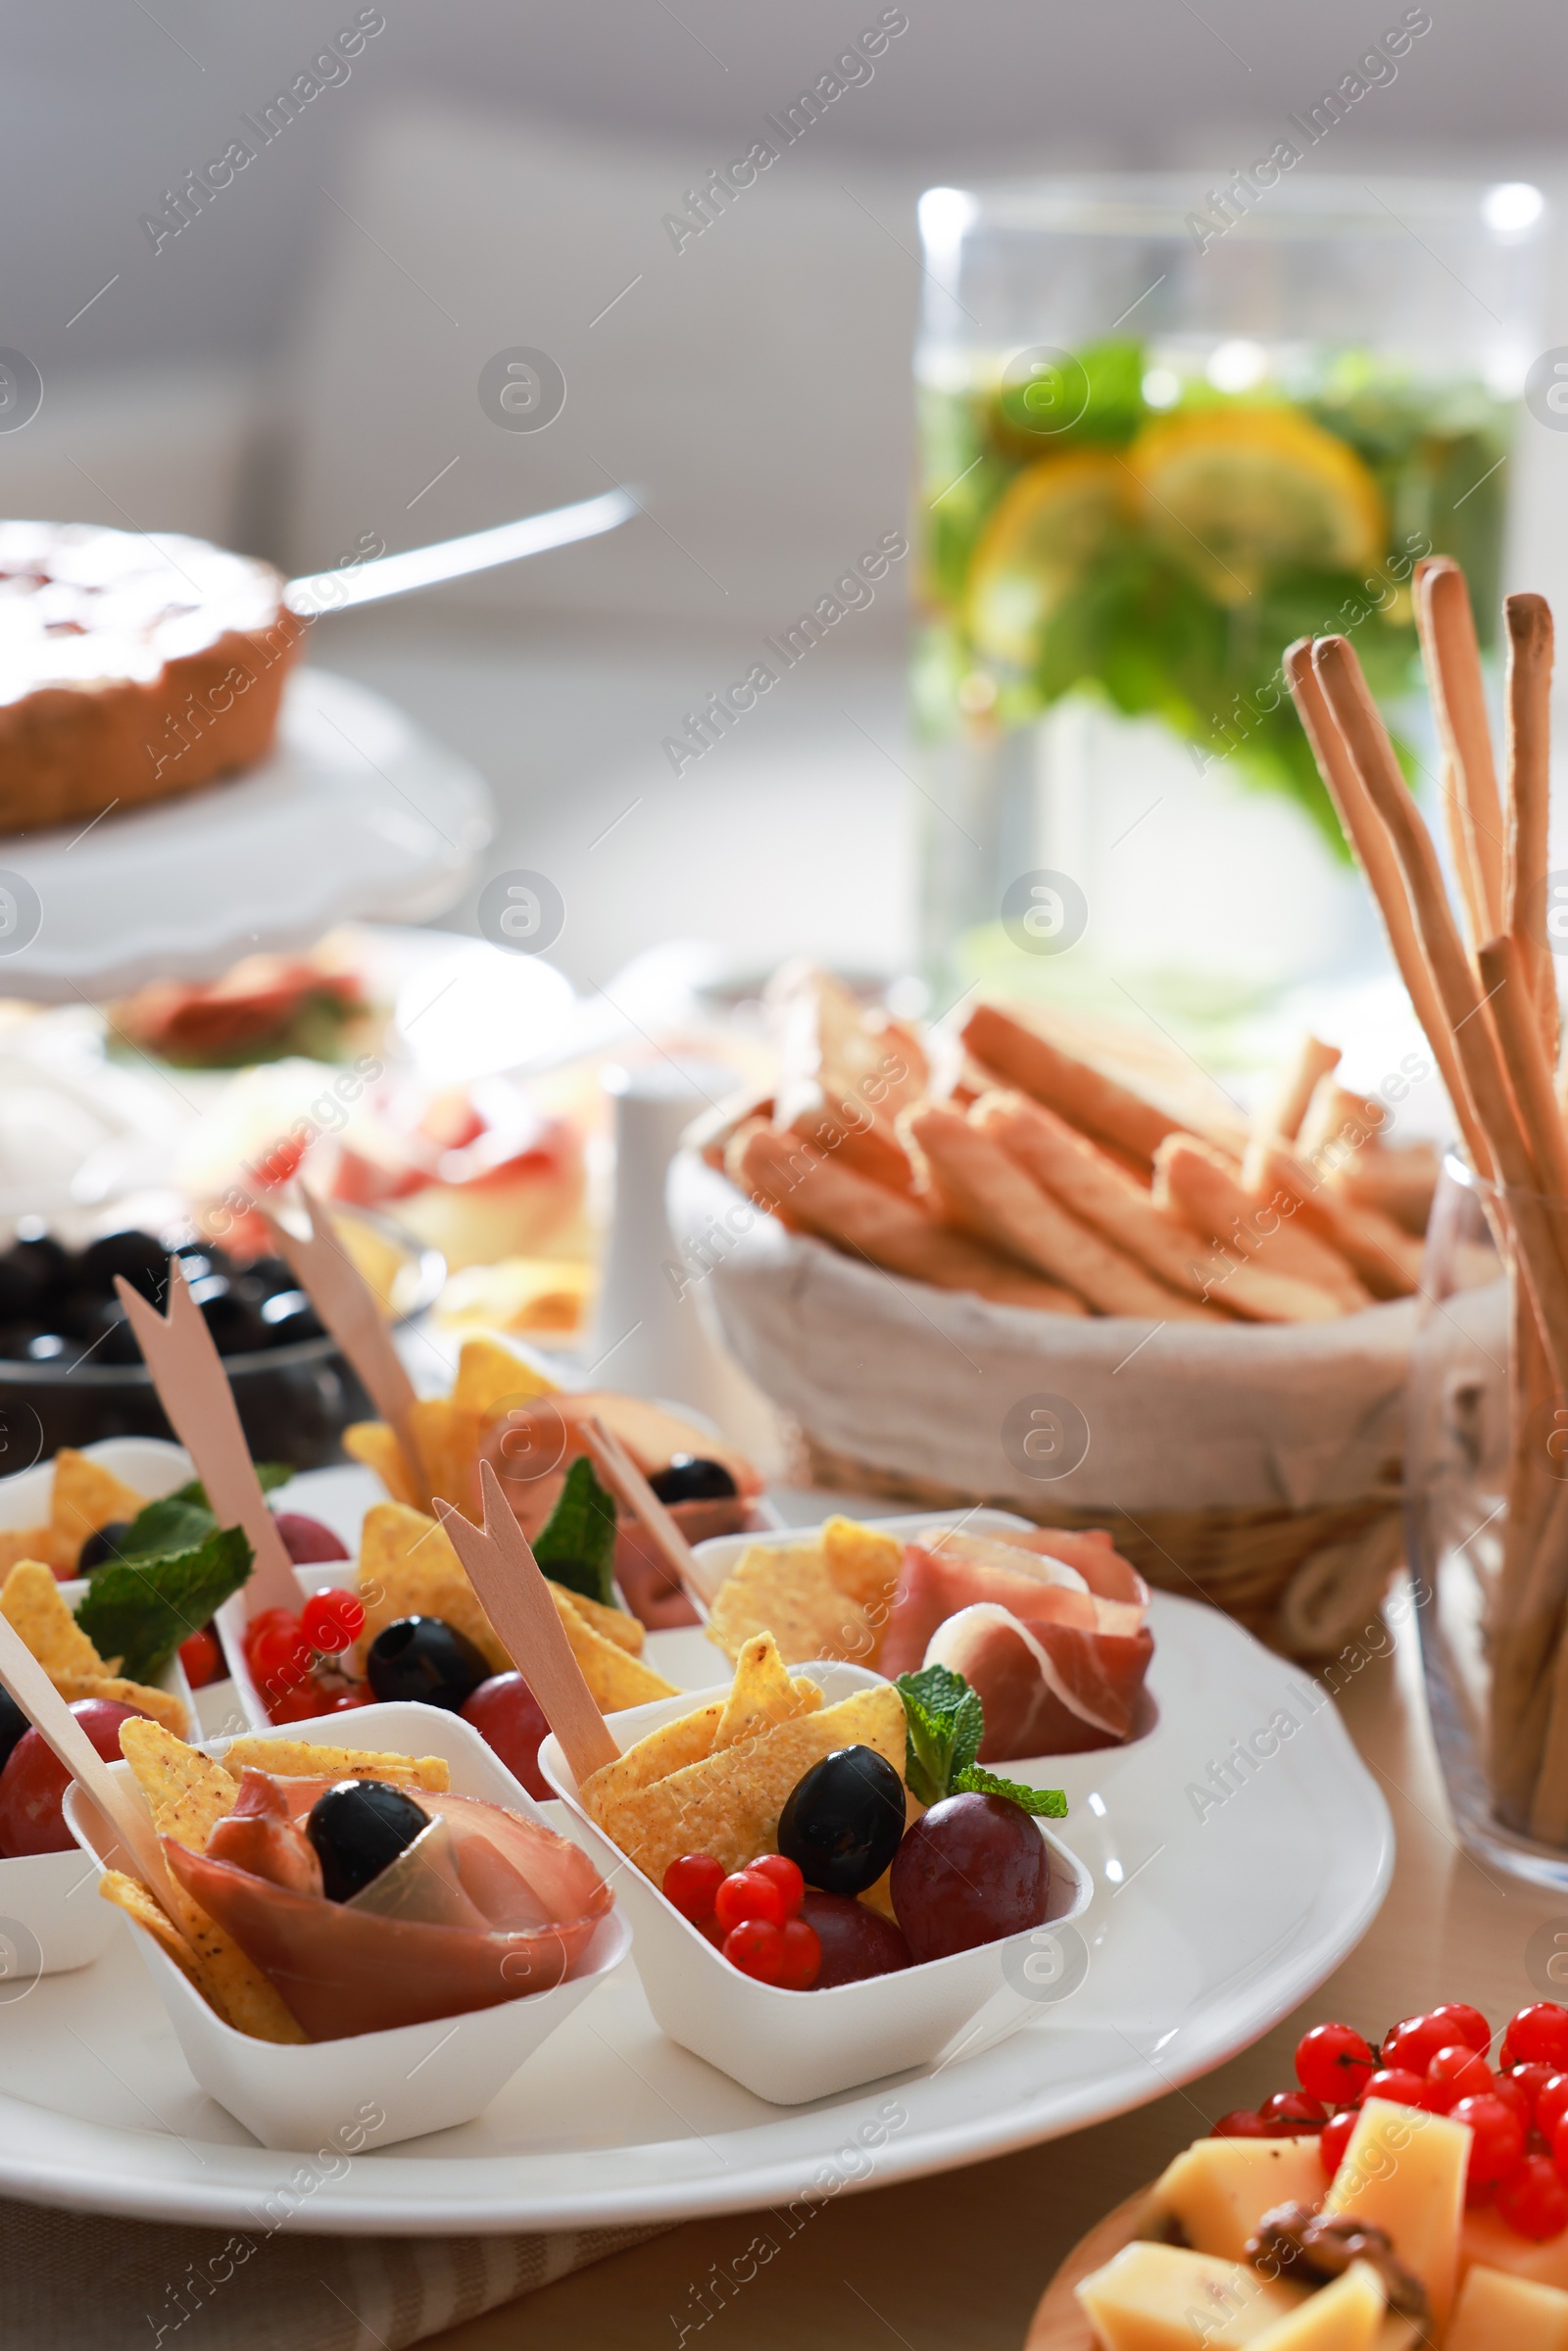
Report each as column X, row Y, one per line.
column 1497, row 2145
column 279, row 1656
column 332, row 1619
column 1534, row 2201
column 1398, row 2084
column 510, row 1718
column 1335, row 2139
column 33, row 1782
column 1241, row 2121
column 1463, row 2023
column 786, row 1877
column 202, row 1658
column 1292, row 2114
column 855, row 1940
column 1455, row 2073
column 691, row 1881
column 306, row 1540
column 756, row 1947
column 1332, row 2063
column 969, row 1870
column 749, row 1895
column 1415, row 2042
column 802, row 1956
column 1539, row 2035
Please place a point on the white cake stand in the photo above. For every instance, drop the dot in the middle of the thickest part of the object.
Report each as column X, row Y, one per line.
column 357, row 814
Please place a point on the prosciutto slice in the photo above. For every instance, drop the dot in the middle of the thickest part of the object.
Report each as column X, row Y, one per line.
column 1049, row 1629
column 342, row 1969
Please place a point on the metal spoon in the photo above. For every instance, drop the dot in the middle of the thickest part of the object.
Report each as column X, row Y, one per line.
column 318, row 593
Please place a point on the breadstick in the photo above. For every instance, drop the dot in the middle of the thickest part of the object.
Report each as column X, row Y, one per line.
column 1529, row 743
column 1505, row 977
column 1202, row 1192
column 989, row 1193
column 1098, row 1106
column 883, row 1227
column 1459, row 705
column 1281, row 1114
column 1370, row 840
column 1471, row 890
column 1463, row 1013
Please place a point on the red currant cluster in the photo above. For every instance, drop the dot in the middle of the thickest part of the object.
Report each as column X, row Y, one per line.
column 1517, row 2112
column 291, row 1658
column 752, row 1916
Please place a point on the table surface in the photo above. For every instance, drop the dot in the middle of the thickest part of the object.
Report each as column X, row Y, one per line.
column 963, row 2257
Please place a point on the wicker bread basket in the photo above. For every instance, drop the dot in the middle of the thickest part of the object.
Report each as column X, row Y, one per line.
column 1255, row 1467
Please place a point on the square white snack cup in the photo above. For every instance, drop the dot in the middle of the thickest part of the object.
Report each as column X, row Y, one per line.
column 790, row 2047
column 715, row 1558
column 51, row 1919
column 297, row 2097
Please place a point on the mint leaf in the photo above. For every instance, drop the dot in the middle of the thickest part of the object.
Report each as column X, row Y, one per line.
column 1050, row 1802
column 141, row 1610
column 577, row 1547
column 946, row 1723
column 174, row 1524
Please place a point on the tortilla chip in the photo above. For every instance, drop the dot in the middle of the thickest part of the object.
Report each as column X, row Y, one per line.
column 863, row 1563
column 490, row 1375
column 615, row 1623
column 615, row 1677
column 86, row 1497
column 133, row 1897
column 187, row 1794
column 728, row 1804
column 160, row 1705
column 32, row 1606
column 374, row 1444
column 762, row 1694
column 26, row 1543
column 408, row 1567
column 669, row 1749
column 786, row 1590
column 448, row 1437
column 297, row 1759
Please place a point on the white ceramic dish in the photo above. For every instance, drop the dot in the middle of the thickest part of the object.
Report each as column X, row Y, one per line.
column 356, row 814
column 50, row 1917
column 790, row 2047
column 308, row 2096
column 1206, row 1931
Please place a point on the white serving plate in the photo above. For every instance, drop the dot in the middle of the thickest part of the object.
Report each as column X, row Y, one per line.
column 788, row 2047
column 1203, row 1933
column 356, row 814
column 50, row 1917
column 306, row 2095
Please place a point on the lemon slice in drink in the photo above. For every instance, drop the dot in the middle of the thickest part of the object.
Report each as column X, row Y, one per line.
column 1234, row 494
column 1050, row 523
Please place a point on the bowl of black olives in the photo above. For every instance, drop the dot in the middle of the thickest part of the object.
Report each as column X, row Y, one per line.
column 70, row 1371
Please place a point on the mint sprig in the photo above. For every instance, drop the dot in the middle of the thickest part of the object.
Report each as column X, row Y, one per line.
column 577, row 1546
column 140, row 1609
column 945, row 1724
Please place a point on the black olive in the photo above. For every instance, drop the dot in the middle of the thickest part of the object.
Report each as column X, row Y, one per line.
column 102, row 1545
column 16, row 1338
column 272, row 1274
column 54, row 1346
column 844, row 1821
column 690, row 1479
column 23, row 1281
column 38, row 1246
column 236, row 1327
column 119, row 1343
column 427, row 1661
column 358, row 1828
column 288, row 1316
column 13, row 1723
column 135, row 1256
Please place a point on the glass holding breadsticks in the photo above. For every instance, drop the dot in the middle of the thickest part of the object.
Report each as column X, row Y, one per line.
column 1487, row 1457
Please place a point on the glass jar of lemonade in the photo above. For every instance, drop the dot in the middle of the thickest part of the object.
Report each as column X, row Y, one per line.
column 1163, row 431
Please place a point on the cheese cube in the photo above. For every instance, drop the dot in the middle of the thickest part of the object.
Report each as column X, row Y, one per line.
column 1346, row 2316
column 1495, row 2309
column 1487, row 2238
column 1164, row 2298
column 1219, row 2189
column 1405, row 2172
